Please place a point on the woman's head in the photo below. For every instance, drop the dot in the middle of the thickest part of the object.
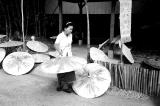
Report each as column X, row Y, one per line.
column 68, row 28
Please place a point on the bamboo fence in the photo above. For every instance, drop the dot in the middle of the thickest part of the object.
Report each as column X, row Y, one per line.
column 134, row 77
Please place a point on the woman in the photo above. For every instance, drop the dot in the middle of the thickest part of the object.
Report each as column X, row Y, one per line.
column 63, row 46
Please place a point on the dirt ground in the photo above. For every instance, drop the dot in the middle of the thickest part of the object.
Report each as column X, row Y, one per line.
column 39, row 89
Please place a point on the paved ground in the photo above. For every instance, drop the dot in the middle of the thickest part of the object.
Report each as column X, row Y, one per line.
column 39, row 89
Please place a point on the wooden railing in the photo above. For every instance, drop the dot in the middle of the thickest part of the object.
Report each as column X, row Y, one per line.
column 134, row 77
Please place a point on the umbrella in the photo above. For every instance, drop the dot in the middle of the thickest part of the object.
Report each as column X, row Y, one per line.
column 18, row 63
column 11, row 44
column 98, row 55
column 63, row 64
column 1, row 36
column 127, row 52
column 37, row 46
column 2, row 54
column 93, row 81
column 39, row 58
column 53, row 53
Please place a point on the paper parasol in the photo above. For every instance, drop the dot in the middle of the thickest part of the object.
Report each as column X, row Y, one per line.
column 2, row 54
column 40, row 58
column 1, row 36
column 93, row 81
column 37, row 46
column 97, row 54
column 53, row 53
column 127, row 53
column 18, row 63
column 63, row 64
column 11, row 44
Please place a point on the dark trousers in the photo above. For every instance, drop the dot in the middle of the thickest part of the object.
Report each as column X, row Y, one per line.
column 65, row 80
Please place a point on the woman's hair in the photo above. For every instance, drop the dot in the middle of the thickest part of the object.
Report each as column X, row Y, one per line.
column 67, row 25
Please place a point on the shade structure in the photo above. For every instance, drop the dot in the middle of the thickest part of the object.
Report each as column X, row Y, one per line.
column 18, row 63
column 93, row 81
column 1, row 36
column 63, row 64
column 11, row 44
column 40, row 58
column 2, row 54
column 37, row 46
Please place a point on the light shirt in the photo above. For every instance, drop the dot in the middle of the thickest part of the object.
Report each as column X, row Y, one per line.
column 64, row 43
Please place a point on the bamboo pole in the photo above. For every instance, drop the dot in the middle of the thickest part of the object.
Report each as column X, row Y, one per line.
column 24, row 48
column 88, row 26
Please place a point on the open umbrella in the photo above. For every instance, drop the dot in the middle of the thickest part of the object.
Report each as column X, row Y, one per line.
column 127, row 53
column 11, row 44
column 98, row 55
column 93, row 81
column 2, row 54
column 18, row 63
column 53, row 53
column 40, row 58
column 62, row 64
column 37, row 46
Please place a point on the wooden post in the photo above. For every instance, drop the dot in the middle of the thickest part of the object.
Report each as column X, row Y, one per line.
column 112, row 22
column 60, row 15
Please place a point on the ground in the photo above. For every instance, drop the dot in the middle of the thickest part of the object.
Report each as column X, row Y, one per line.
column 39, row 89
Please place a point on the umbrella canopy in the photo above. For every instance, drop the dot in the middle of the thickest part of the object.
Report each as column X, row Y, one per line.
column 63, row 64
column 11, row 44
column 18, row 63
column 2, row 54
column 97, row 54
column 127, row 53
column 93, row 81
column 53, row 53
column 37, row 46
column 40, row 58
column 1, row 36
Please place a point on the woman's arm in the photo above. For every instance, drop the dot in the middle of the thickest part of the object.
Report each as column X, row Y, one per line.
column 56, row 46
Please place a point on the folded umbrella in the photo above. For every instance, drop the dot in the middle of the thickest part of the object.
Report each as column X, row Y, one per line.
column 93, row 81
column 18, row 63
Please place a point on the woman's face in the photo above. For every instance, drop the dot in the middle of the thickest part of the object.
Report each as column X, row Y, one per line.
column 68, row 30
